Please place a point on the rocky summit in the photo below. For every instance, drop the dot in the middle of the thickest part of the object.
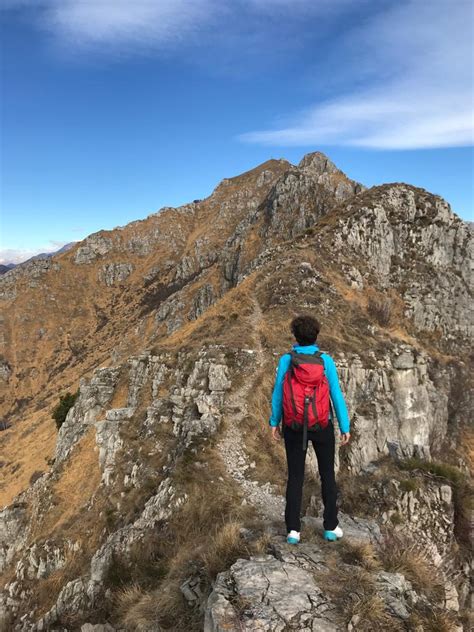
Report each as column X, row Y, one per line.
column 155, row 501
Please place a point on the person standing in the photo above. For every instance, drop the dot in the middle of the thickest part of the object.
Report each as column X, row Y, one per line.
column 305, row 329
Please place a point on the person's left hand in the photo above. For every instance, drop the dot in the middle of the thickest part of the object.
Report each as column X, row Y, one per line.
column 276, row 434
column 345, row 436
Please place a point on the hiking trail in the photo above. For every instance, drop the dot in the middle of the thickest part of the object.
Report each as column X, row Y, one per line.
column 231, row 445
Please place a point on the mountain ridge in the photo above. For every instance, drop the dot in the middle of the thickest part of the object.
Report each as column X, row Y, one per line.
column 171, row 329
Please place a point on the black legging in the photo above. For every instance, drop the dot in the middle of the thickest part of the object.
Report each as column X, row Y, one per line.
column 323, row 442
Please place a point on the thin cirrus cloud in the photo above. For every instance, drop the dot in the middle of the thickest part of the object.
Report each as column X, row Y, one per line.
column 121, row 28
column 420, row 94
column 407, row 67
column 126, row 27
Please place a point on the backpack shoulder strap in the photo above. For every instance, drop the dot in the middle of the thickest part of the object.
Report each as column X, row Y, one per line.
column 293, row 353
column 331, row 407
column 320, row 354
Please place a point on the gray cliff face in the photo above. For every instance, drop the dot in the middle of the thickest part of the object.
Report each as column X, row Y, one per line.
column 396, row 407
column 93, row 397
column 114, row 273
column 411, row 241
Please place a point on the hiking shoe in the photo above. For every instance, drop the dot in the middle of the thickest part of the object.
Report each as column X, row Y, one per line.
column 334, row 534
column 293, row 537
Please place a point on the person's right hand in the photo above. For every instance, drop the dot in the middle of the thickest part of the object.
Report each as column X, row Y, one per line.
column 345, row 436
column 276, row 434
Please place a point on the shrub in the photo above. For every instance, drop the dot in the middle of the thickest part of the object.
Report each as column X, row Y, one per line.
column 380, row 308
column 409, row 484
column 35, row 476
column 66, row 402
column 444, row 470
column 396, row 518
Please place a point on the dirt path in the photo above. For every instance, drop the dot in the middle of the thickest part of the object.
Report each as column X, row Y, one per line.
column 231, row 446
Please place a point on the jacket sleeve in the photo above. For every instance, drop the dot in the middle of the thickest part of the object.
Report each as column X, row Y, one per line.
column 337, row 397
column 277, row 395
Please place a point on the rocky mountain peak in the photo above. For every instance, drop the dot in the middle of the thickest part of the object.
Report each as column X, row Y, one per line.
column 318, row 163
column 158, row 503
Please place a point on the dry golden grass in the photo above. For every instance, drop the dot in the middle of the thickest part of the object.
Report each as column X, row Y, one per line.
column 353, row 591
column 361, row 554
column 225, row 547
column 202, row 535
column 68, row 519
column 45, row 591
column 268, row 455
column 467, row 445
column 138, row 608
column 135, row 607
column 350, row 581
column 75, row 486
column 24, row 449
column 401, row 555
column 275, row 333
column 433, row 620
column 223, row 323
column 158, row 609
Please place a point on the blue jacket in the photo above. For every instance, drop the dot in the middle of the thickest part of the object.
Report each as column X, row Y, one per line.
column 337, row 397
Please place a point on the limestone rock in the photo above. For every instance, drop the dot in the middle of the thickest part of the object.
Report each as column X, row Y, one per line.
column 109, row 442
column 91, row 248
column 114, row 273
column 13, row 532
column 427, row 514
column 203, row 299
column 394, row 405
column 93, row 398
column 411, row 240
column 5, row 370
column 218, row 380
column 397, row 592
column 277, row 596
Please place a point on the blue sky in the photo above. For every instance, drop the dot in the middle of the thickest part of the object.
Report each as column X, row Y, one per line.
column 111, row 110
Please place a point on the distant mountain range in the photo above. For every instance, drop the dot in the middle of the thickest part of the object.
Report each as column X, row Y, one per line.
column 9, row 266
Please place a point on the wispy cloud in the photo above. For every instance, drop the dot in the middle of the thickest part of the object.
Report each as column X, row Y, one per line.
column 122, row 26
column 420, row 93
column 125, row 26
column 18, row 255
column 407, row 69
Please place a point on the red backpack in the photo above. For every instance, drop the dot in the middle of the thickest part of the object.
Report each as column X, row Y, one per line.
column 306, row 400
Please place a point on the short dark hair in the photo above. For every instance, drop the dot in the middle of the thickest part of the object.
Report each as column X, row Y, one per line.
column 305, row 329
